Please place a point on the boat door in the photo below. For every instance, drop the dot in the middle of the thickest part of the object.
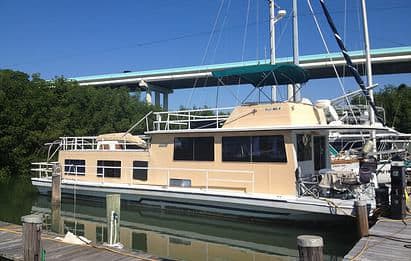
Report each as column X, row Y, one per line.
column 304, row 147
column 320, row 153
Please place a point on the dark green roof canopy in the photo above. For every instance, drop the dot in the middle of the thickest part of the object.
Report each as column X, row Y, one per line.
column 264, row 74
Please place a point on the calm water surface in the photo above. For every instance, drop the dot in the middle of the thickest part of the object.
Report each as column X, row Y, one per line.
column 176, row 235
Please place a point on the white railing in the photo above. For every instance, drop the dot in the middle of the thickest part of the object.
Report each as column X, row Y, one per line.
column 191, row 119
column 162, row 176
column 90, row 143
column 79, row 143
column 42, row 169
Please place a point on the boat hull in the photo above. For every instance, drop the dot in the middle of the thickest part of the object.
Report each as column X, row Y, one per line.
column 234, row 204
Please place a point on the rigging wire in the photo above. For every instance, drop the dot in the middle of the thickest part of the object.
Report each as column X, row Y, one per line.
column 206, row 50
column 348, row 60
column 331, row 59
column 244, row 43
column 221, row 30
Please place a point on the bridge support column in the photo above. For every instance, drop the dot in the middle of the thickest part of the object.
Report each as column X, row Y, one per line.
column 165, row 101
column 157, row 98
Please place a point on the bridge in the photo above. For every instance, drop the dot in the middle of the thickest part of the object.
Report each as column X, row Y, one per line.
column 384, row 61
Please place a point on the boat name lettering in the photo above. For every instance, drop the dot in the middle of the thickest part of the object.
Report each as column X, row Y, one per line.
column 273, row 109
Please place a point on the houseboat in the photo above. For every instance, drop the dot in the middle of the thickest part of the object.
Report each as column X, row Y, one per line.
column 268, row 160
column 261, row 160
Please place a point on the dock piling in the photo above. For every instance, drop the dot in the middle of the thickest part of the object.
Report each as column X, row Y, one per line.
column 310, row 248
column 113, row 218
column 32, row 237
column 362, row 217
column 56, row 185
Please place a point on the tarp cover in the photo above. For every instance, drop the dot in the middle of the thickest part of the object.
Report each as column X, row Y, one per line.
column 265, row 74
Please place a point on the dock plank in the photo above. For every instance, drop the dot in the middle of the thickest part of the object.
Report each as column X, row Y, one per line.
column 11, row 247
column 387, row 241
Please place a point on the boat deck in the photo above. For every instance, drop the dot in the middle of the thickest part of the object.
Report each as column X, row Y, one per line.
column 388, row 240
column 11, row 248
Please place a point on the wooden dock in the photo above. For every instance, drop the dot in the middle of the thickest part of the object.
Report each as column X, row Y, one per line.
column 11, row 248
column 388, row 240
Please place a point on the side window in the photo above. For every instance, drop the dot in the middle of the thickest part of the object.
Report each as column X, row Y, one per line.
column 236, row 148
column 109, row 168
column 74, row 167
column 140, row 170
column 268, row 149
column 197, row 148
column 304, row 148
column 254, row 149
column 183, row 149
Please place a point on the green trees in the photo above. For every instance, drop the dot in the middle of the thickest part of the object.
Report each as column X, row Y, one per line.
column 34, row 111
column 397, row 104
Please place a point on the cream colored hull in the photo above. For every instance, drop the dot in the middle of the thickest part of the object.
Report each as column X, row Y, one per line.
column 220, row 202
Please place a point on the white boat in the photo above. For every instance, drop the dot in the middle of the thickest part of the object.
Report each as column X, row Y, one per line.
column 268, row 160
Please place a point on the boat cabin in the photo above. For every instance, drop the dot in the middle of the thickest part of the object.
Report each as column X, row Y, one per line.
column 257, row 148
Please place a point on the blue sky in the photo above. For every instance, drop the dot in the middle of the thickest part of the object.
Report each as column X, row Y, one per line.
column 78, row 38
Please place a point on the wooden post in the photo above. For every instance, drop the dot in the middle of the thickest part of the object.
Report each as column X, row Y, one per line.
column 32, row 237
column 362, row 217
column 310, row 248
column 113, row 218
column 56, row 219
column 56, row 182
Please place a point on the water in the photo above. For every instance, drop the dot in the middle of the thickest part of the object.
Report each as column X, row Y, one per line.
column 176, row 235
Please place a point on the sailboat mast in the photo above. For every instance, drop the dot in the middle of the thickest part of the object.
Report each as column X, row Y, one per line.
column 369, row 71
column 295, row 91
column 272, row 45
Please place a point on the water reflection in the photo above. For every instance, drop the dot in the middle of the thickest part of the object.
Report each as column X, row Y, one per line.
column 189, row 237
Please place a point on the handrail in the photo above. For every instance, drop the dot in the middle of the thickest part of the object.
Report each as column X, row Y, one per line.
column 72, row 170
column 90, row 143
column 185, row 118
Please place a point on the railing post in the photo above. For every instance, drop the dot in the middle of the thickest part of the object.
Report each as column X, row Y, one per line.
column 217, row 118
column 168, row 178
column 253, row 182
column 310, row 248
column 32, row 236
column 131, row 175
column 189, row 120
column 207, row 180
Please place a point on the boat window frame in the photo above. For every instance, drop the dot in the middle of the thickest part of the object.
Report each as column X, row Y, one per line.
column 109, row 168
column 141, row 173
column 248, row 144
column 199, row 148
column 304, row 153
column 80, row 169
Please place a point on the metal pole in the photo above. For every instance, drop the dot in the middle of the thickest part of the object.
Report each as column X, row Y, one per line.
column 296, row 93
column 272, row 46
column 369, row 71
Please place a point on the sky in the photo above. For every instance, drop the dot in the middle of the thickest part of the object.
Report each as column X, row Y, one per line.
column 79, row 38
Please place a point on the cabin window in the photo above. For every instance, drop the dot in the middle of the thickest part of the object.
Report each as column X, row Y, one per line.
column 140, row 170
column 194, row 148
column 119, row 146
column 74, row 167
column 304, row 148
column 236, row 148
column 254, row 149
column 268, row 149
column 104, row 147
column 109, row 168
